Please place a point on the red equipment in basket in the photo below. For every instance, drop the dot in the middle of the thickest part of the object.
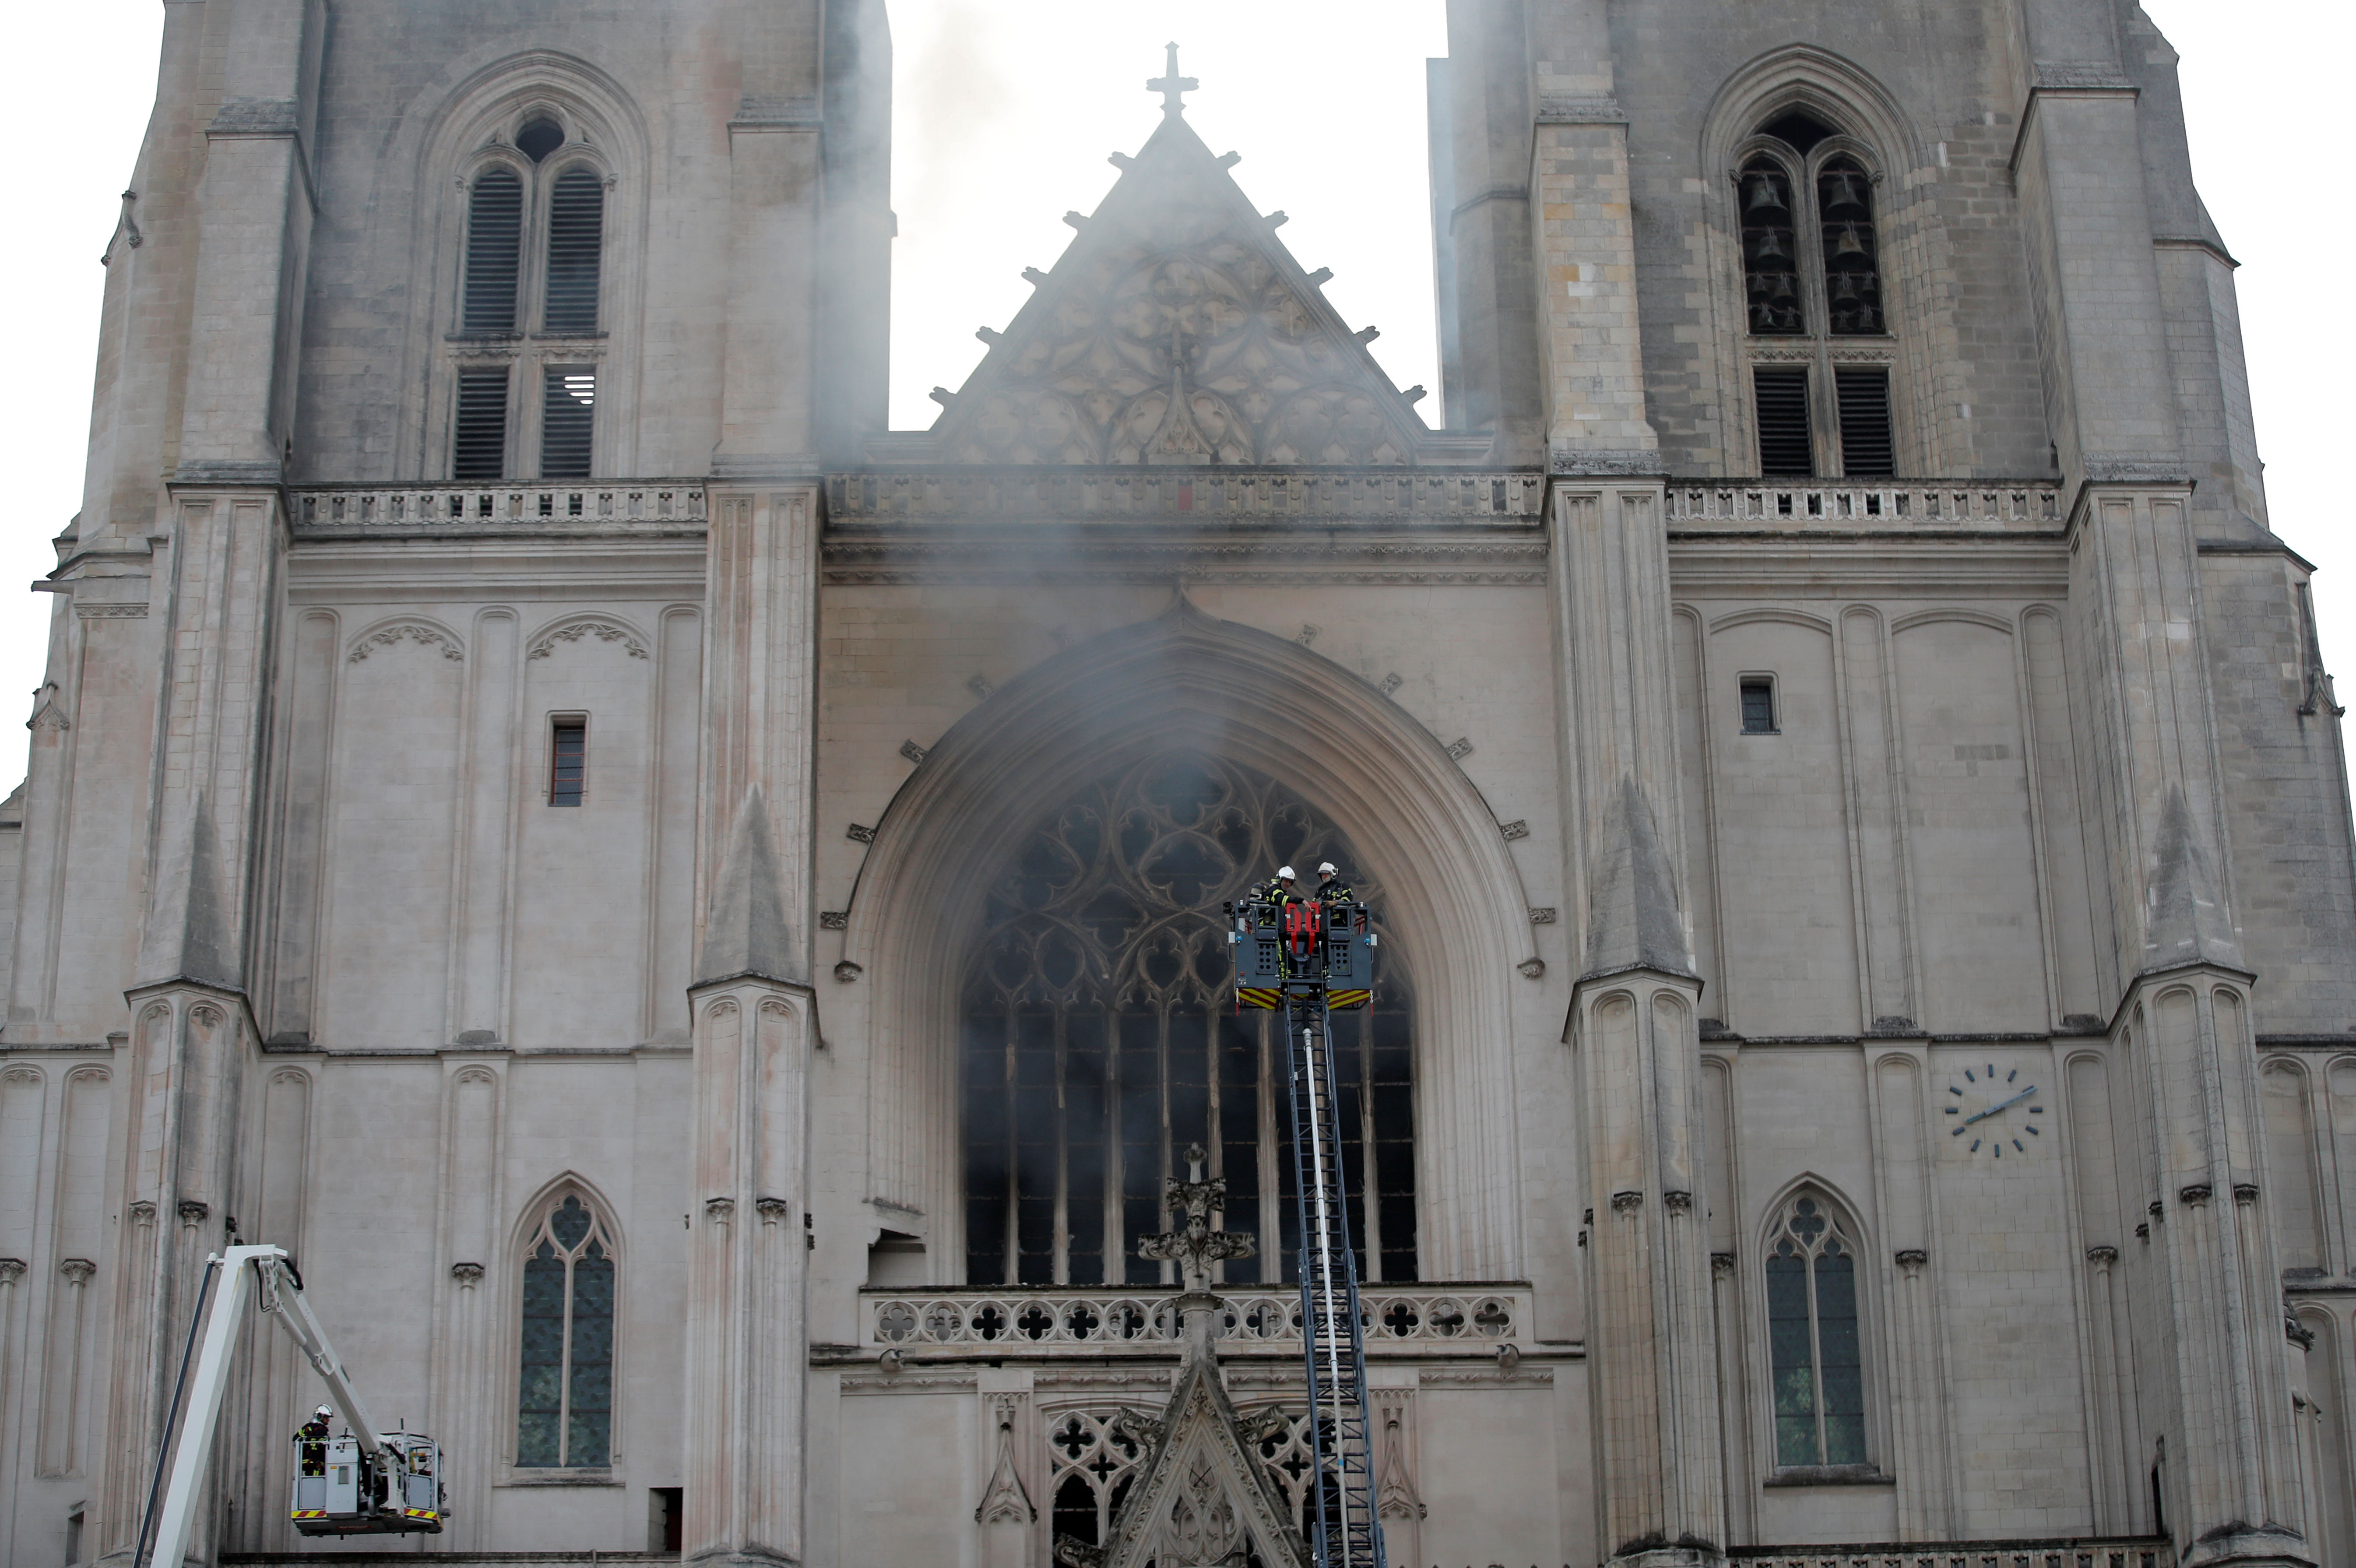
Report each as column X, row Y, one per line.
column 1304, row 928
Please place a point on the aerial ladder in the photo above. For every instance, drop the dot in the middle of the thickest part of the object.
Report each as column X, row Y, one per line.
column 363, row 1482
column 1308, row 960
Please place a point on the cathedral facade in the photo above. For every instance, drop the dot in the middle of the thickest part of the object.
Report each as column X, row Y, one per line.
column 1863, row 1060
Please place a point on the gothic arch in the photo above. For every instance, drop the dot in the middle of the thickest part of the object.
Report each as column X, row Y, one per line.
column 1838, row 91
column 395, row 629
column 599, row 625
column 522, row 1226
column 1186, row 680
column 1876, row 131
column 1952, row 613
column 1846, row 1220
column 1775, row 613
column 460, row 127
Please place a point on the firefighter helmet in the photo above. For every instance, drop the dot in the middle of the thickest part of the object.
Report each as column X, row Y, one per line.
column 1285, row 874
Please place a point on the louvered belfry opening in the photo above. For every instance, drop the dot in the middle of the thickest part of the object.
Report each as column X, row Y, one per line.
column 1787, row 444
column 1863, row 394
column 567, row 416
column 577, row 229
column 480, row 447
column 494, row 253
column 1852, row 259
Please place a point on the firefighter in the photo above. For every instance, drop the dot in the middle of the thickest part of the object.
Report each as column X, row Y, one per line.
column 1280, row 889
column 311, row 1441
column 1331, row 888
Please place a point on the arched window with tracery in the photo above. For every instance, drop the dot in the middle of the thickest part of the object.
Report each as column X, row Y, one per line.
column 1100, row 1038
column 565, row 1403
column 1814, row 1342
column 528, row 350
column 1812, row 271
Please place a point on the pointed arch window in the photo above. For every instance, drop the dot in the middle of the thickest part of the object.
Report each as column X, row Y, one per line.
column 529, row 338
column 1100, row 1038
column 1814, row 1347
column 564, row 1403
column 1811, row 252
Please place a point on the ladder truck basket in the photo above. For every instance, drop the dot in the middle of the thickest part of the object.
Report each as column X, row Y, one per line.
column 1301, row 944
column 340, row 1490
column 362, row 1481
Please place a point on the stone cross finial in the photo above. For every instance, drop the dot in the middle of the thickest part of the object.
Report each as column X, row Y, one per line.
column 1173, row 86
column 1195, row 1246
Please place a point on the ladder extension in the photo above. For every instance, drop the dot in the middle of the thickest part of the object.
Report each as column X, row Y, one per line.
column 1345, row 1532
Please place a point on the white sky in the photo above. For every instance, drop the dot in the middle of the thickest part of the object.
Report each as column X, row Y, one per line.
column 1005, row 113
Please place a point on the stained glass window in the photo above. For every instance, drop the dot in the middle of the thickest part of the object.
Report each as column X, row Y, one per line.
column 564, row 1405
column 1813, row 1349
column 1100, row 1038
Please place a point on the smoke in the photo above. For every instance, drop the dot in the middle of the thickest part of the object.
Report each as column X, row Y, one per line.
column 1006, row 109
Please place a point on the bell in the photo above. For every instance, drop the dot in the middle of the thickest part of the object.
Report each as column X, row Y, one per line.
column 1766, row 194
column 1849, row 244
column 1770, row 246
column 1843, row 289
column 1842, row 188
column 1781, row 288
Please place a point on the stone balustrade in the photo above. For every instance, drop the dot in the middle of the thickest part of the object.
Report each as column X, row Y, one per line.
column 510, row 504
column 1094, row 1322
column 1978, row 505
column 2107, row 1551
column 947, row 496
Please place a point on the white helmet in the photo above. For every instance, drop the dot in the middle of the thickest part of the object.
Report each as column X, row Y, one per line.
column 322, row 1412
column 1326, row 870
column 1285, row 874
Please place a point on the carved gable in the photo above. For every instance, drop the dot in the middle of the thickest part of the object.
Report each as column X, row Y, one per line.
column 1177, row 330
column 1204, row 1500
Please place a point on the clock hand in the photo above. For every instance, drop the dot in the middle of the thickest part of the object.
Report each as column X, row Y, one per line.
column 2000, row 1106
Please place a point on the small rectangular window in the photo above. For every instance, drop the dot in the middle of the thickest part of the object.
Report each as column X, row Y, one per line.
column 1787, row 442
column 568, row 411
column 480, row 447
column 1758, row 705
column 568, row 765
column 1863, row 392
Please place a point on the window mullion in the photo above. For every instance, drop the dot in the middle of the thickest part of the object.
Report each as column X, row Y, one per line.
column 1060, row 1238
column 1115, row 1258
column 565, row 1374
column 1271, row 1181
column 1816, row 1354
column 1009, row 1266
column 1369, row 1184
column 1161, row 1070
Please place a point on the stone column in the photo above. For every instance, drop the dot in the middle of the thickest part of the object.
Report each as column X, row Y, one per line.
column 754, row 1024
column 190, row 1045
column 1634, row 1027
column 1584, row 231
column 1482, row 181
column 747, row 1340
column 2205, row 1293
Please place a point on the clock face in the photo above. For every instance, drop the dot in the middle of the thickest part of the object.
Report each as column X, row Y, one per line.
column 1993, row 1114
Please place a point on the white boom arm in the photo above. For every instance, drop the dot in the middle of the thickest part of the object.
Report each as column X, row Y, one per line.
column 281, row 1298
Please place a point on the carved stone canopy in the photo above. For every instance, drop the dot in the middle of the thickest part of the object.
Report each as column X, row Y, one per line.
column 1177, row 330
column 1195, row 1246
